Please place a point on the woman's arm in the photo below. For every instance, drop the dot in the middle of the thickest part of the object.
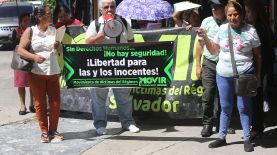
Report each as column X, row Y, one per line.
column 176, row 17
column 24, row 44
column 212, row 47
column 199, row 51
column 95, row 39
column 258, row 63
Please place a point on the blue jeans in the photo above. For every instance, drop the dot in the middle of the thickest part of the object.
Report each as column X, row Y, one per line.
column 124, row 106
column 226, row 95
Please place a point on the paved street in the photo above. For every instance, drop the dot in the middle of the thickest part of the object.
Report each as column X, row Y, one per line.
column 20, row 134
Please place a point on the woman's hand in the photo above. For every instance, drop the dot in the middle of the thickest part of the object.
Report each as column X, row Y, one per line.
column 201, row 32
column 56, row 45
column 198, row 72
column 39, row 59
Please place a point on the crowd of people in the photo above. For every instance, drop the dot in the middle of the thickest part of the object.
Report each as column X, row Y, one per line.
column 253, row 55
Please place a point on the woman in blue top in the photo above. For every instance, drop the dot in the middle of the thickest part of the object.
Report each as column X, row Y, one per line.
column 246, row 45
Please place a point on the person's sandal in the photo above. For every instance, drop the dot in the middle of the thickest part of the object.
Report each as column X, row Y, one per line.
column 44, row 137
column 56, row 137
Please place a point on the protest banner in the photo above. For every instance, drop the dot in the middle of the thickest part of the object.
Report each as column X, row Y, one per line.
column 181, row 100
column 118, row 65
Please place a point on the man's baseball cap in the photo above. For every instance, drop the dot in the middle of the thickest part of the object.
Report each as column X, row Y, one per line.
column 219, row 2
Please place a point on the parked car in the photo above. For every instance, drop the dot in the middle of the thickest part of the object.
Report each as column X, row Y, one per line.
column 9, row 14
column 36, row 3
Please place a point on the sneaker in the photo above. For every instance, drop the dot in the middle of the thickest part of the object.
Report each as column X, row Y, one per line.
column 101, row 131
column 133, row 128
column 248, row 147
column 218, row 143
column 207, row 131
column 56, row 137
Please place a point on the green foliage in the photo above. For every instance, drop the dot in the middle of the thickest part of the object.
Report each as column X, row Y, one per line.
column 50, row 3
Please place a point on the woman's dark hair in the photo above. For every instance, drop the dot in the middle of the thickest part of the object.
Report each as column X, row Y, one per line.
column 59, row 8
column 260, row 15
column 22, row 16
column 63, row 8
column 38, row 12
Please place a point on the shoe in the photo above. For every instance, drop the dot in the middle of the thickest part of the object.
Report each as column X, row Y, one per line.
column 23, row 112
column 101, row 131
column 248, row 147
column 32, row 109
column 133, row 128
column 44, row 138
column 218, row 143
column 255, row 135
column 56, row 136
column 231, row 131
column 207, row 131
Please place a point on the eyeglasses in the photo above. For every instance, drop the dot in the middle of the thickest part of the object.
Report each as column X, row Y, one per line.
column 49, row 14
column 109, row 6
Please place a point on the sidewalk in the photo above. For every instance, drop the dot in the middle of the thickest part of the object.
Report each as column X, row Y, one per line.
column 20, row 134
column 178, row 140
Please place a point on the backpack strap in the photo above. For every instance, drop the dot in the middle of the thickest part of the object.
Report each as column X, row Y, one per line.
column 97, row 25
column 125, row 24
column 124, row 21
column 31, row 34
column 30, row 38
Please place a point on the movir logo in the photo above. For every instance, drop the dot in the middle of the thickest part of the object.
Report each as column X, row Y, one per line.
column 144, row 81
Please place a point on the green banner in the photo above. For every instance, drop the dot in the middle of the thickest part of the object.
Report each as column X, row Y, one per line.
column 118, row 65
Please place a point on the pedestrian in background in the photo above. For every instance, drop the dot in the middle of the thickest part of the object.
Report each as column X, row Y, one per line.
column 99, row 95
column 188, row 18
column 247, row 53
column 44, row 77
column 260, row 21
column 20, row 77
column 65, row 19
column 181, row 18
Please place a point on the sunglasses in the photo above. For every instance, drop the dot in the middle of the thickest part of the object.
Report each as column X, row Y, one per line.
column 109, row 6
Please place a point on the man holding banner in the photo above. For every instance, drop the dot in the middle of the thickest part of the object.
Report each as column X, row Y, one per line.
column 208, row 71
column 95, row 34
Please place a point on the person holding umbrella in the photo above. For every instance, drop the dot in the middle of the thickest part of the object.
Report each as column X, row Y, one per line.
column 95, row 34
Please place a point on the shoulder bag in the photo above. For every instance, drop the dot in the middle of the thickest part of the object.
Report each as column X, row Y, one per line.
column 19, row 63
column 244, row 84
